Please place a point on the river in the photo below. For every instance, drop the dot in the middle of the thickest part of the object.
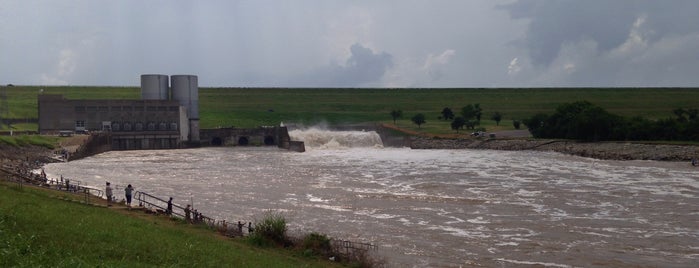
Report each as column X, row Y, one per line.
column 433, row 208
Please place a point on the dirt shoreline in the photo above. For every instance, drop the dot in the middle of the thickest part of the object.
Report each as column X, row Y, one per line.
column 598, row 150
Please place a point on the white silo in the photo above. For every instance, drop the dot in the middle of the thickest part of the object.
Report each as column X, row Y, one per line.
column 154, row 87
column 185, row 90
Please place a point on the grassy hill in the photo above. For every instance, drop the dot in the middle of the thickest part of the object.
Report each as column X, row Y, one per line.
column 251, row 107
column 41, row 228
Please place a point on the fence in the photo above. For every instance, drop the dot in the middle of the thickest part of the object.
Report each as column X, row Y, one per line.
column 347, row 249
column 160, row 205
column 22, row 176
column 350, row 250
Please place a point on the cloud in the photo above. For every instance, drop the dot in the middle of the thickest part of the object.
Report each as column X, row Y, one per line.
column 514, row 67
column 554, row 23
column 608, row 43
column 478, row 43
column 364, row 67
column 64, row 69
column 66, row 62
column 420, row 72
column 434, row 65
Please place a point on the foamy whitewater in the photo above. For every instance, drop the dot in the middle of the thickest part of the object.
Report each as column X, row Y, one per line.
column 433, row 208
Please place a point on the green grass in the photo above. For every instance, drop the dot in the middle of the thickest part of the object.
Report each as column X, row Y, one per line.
column 252, row 107
column 37, row 230
column 23, row 140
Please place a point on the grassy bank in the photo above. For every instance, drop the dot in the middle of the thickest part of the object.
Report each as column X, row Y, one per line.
column 24, row 140
column 40, row 229
column 252, row 107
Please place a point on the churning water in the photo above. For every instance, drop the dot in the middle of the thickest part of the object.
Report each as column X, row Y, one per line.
column 427, row 208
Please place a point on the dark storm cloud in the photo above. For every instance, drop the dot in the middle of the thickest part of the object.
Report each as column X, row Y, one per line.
column 362, row 68
column 555, row 23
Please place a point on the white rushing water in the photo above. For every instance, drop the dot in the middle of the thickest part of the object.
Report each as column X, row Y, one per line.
column 427, row 208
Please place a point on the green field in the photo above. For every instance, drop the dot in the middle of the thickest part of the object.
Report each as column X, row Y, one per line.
column 40, row 228
column 252, row 107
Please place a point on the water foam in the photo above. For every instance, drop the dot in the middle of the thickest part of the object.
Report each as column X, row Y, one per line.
column 316, row 138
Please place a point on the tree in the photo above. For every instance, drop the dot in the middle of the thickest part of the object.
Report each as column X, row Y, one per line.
column 679, row 112
column 472, row 111
column 470, row 124
column 447, row 114
column 479, row 112
column 516, row 123
column 419, row 119
column 692, row 114
column 395, row 114
column 578, row 120
column 468, row 112
column 497, row 116
column 458, row 123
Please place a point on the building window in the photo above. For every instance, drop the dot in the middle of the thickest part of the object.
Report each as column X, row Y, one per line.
column 91, row 108
column 174, row 108
column 151, row 108
column 127, row 126
column 79, row 109
column 173, row 126
column 80, row 123
column 138, row 108
column 103, row 109
column 127, row 108
column 116, row 108
column 162, row 108
column 138, row 126
column 151, row 126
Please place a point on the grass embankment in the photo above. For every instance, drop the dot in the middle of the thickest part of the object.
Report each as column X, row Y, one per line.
column 252, row 107
column 24, row 140
column 38, row 228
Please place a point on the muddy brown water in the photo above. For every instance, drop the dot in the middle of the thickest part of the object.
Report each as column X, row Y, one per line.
column 436, row 208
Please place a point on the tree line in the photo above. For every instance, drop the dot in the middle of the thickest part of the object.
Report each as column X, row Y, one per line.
column 584, row 121
column 469, row 117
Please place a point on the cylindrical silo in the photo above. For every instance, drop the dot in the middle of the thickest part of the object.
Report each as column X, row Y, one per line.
column 185, row 90
column 154, row 87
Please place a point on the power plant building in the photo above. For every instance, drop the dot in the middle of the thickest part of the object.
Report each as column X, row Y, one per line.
column 161, row 119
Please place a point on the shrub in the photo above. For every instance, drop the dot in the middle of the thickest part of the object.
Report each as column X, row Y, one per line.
column 316, row 244
column 271, row 229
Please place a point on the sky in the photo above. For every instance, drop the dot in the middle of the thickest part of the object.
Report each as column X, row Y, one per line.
column 344, row 43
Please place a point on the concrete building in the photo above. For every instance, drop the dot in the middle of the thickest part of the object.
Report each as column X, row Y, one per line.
column 134, row 124
column 153, row 122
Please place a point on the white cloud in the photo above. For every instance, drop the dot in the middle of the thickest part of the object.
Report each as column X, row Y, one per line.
column 66, row 62
column 514, row 68
column 64, row 69
column 636, row 40
column 434, row 65
column 419, row 72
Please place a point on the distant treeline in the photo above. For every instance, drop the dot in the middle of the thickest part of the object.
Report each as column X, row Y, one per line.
column 584, row 121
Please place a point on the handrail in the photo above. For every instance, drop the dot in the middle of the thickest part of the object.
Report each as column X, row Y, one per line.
column 224, row 226
column 141, row 197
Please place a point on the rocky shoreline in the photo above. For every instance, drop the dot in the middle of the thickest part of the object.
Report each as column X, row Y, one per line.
column 598, row 150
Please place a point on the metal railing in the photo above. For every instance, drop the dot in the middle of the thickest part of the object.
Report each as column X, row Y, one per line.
column 349, row 249
column 160, row 205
